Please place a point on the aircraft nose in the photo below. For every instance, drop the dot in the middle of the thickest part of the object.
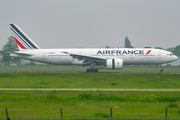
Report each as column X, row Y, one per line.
column 175, row 57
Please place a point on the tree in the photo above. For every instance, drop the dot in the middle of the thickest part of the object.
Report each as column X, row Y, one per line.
column 177, row 50
column 31, row 63
column 171, row 49
column 147, row 47
column 159, row 48
column 9, row 47
column 107, row 46
column 127, row 43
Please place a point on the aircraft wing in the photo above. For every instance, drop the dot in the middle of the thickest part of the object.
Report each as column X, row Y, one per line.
column 87, row 58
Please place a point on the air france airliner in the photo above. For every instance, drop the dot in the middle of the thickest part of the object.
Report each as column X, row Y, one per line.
column 111, row 58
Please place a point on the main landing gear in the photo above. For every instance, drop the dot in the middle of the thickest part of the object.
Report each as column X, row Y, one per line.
column 92, row 70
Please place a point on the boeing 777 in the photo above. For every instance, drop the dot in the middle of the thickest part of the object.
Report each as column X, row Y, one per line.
column 111, row 58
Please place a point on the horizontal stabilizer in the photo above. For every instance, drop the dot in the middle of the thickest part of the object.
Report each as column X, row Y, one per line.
column 24, row 54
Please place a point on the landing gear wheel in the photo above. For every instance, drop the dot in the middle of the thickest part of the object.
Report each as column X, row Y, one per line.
column 88, row 70
column 161, row 70
column 92, row 70
column 96, row 70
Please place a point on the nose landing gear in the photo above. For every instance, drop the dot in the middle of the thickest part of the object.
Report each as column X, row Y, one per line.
column 161, row 70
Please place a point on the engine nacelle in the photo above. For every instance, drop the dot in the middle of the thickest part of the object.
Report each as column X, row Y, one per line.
column 114, row 63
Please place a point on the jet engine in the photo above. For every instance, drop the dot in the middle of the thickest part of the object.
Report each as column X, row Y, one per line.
column 114, row 63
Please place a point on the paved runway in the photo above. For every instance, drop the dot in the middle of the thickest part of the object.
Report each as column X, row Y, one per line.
column 86, row 72
column 90, row 89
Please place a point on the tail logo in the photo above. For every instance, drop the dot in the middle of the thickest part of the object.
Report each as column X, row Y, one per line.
column 22, row 40
column 19, row 44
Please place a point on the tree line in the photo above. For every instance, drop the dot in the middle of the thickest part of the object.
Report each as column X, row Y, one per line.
column 174, row 50
column 11, row 47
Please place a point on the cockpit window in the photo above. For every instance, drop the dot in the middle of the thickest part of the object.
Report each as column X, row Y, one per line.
column 170, row 54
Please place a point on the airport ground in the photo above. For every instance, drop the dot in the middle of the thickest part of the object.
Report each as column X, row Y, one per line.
column 126, row 69
column 89, row 104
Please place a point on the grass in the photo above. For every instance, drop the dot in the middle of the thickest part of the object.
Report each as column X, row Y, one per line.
column 89, row 80
column 88, row 104
column 80, row 104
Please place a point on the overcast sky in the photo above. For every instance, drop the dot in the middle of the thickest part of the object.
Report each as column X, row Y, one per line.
column 93, row 23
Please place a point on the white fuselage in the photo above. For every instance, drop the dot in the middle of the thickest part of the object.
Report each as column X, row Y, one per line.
column 136, row 56
column 111, row 58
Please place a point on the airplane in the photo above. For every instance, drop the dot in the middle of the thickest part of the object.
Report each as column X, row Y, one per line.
column 112, row 58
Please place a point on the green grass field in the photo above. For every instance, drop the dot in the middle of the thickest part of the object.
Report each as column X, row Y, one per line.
column 89, row 104
column 89, row 80
column 97, row 104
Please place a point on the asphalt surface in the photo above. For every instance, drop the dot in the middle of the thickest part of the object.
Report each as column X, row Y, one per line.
column 90, row 72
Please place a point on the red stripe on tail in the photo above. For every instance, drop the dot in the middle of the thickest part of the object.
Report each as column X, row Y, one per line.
column 19, row 44
column 148, row 51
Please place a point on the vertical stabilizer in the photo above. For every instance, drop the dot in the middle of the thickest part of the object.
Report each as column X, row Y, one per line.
column 23, row 41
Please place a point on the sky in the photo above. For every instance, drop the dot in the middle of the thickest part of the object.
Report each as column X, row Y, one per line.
column 93, row 23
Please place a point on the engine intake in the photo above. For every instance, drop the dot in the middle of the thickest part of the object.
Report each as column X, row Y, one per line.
column 114, row 63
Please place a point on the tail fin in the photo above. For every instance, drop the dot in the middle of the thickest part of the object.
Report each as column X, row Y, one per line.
column 23, row 41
